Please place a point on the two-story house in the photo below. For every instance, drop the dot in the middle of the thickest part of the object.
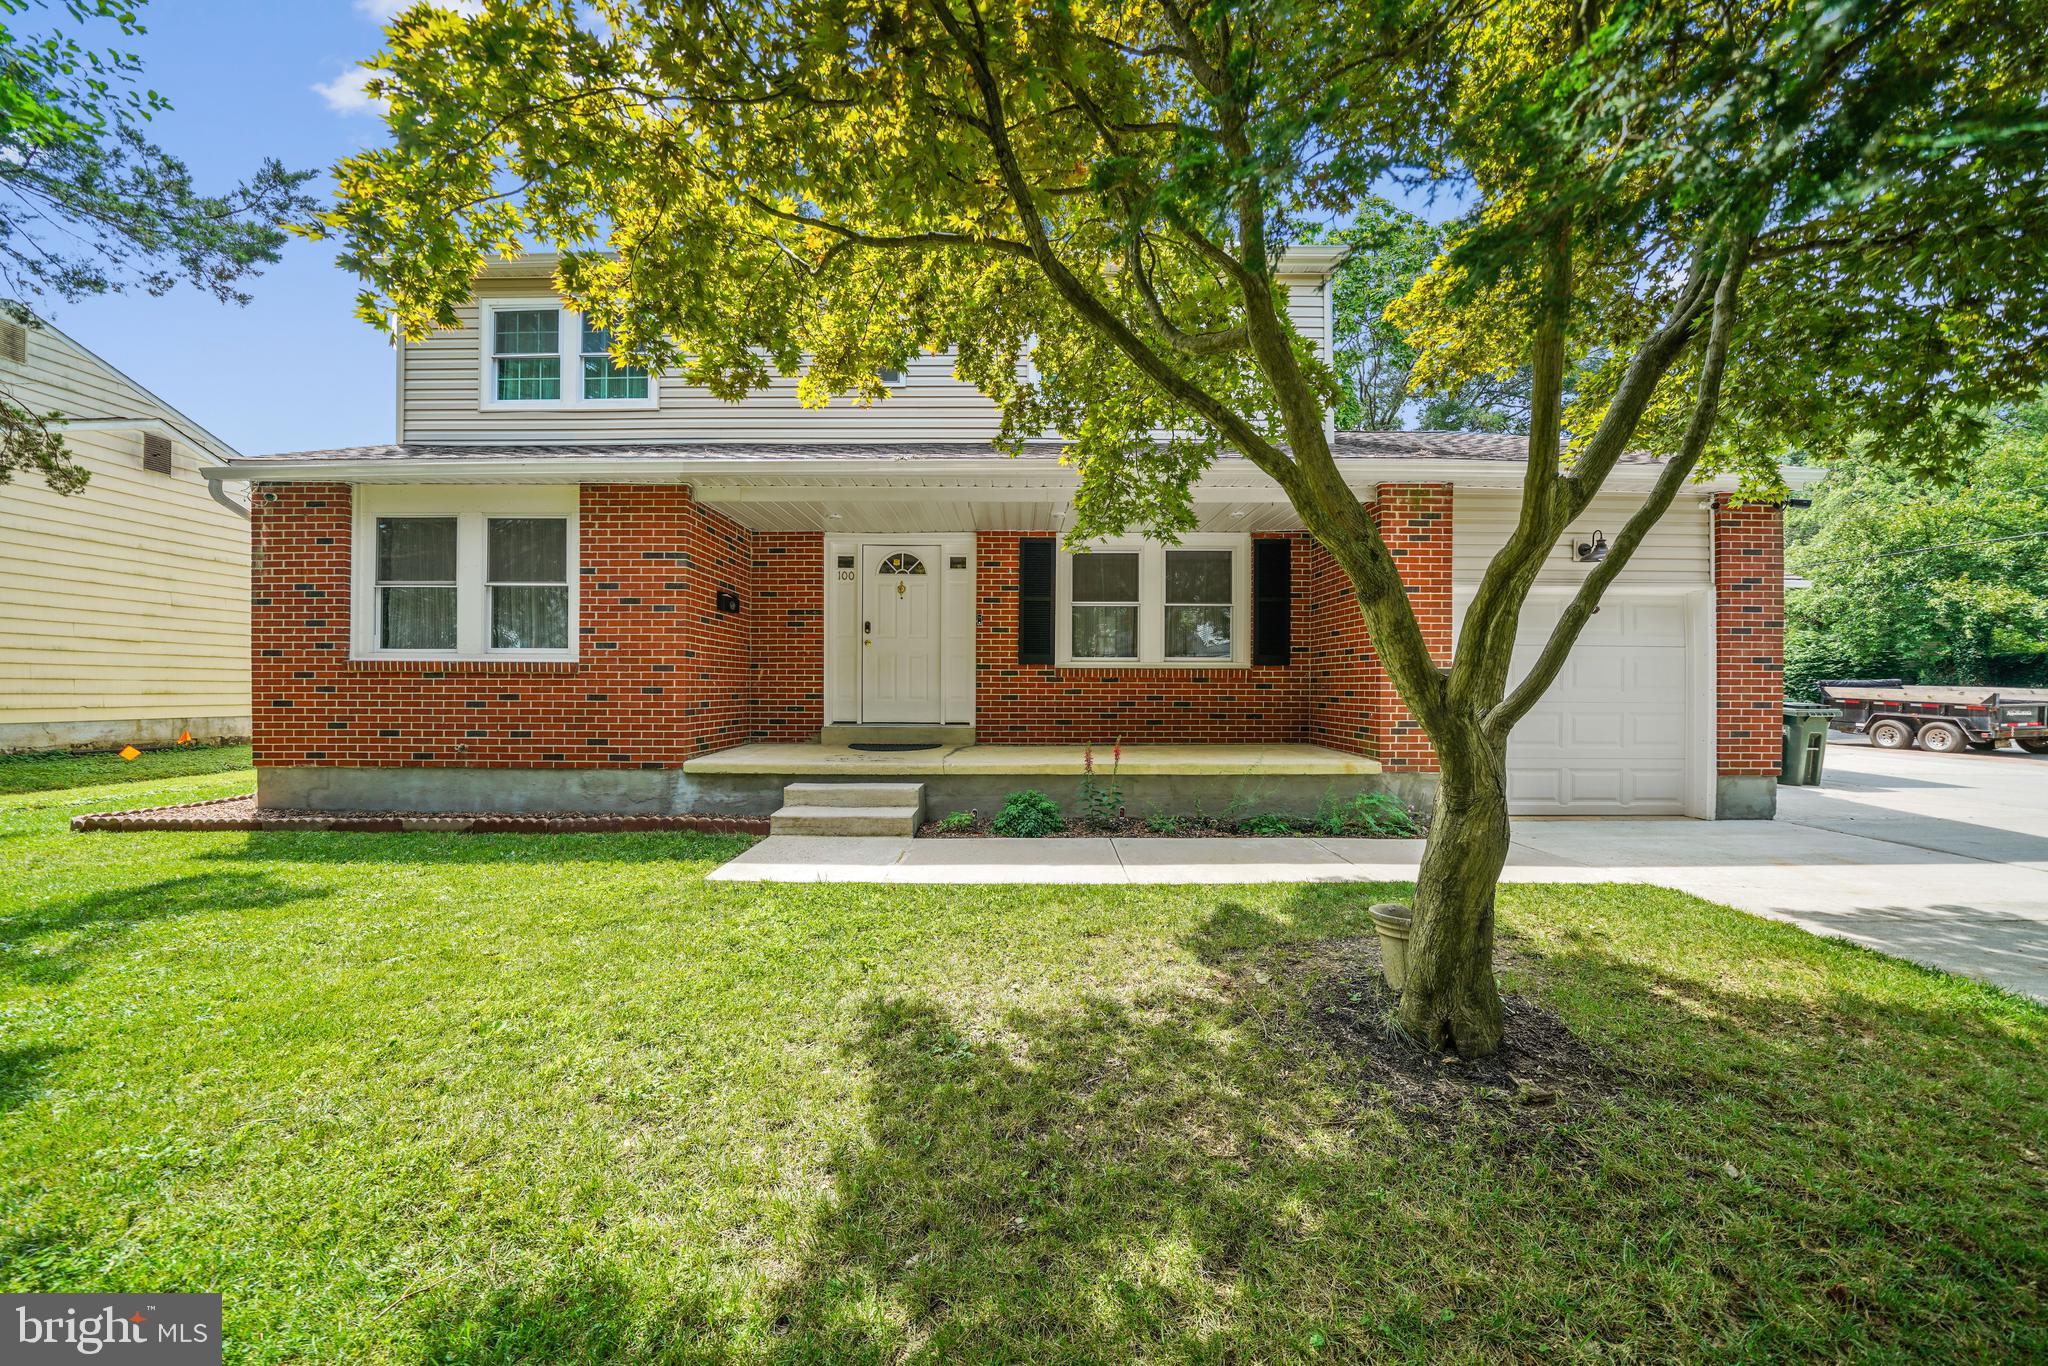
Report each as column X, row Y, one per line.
column 570, row 585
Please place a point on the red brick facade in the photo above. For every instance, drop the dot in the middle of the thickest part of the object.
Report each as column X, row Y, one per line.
column 664, row 675
column 1749, row 636
column 1030, row 704
column 788, row 618
column 1356, row 707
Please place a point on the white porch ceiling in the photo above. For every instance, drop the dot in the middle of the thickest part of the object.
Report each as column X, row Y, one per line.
column 1236, row 500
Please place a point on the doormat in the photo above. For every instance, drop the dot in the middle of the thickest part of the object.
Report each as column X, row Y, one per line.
column 872, row 747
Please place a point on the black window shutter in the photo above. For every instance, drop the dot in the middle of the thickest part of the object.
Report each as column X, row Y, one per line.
column 1273, row 601
column 1034, row 600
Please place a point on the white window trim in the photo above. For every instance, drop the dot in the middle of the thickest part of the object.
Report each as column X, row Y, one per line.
column 569, row 338
column 1152, row 603
column 472, row 507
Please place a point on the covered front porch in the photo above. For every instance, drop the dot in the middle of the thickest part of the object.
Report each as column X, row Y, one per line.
column 959, row 775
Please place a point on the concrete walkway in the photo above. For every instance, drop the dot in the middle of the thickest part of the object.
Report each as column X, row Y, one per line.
column 1943, row 860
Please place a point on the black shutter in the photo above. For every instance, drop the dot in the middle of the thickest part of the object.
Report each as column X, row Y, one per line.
column 1273, row 601
column 1034, row 600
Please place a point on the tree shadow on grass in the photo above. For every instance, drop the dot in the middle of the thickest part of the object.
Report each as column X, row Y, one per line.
column 1194, row 1172
column 88, row 927
column 585, row 1314
column 22, row 1071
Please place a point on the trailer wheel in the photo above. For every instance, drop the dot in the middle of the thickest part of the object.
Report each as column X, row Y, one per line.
column 1940, row 737
column 1890, row 734
column 2035, row 744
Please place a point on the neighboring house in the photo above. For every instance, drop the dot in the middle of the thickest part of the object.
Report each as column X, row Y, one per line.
column 124, row 608
column 573, row 586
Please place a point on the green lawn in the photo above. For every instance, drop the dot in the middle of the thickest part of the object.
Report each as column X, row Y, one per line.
column 420, row 1098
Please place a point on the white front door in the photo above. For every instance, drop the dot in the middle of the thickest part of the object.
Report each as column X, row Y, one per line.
column 900, row 634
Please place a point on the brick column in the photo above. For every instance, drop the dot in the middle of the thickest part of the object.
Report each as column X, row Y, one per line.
column 1415, row 522
column 1355, row 706
column 1749, row 655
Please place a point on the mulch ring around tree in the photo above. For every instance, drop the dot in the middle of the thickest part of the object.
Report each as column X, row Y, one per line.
column 1542, row 1078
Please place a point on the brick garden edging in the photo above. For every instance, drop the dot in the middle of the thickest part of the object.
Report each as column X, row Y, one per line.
column 241, row 813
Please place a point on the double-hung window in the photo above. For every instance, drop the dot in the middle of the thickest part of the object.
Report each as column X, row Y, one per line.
column 539, row 354
column 1104, row 605
column 1142, row 603
column 603, row 378
column 461, row 573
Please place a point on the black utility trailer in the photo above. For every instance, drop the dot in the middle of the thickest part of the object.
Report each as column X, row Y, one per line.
column 1943, row 720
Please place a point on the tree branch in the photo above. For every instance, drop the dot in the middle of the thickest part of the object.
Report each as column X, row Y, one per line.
column 1502, row 718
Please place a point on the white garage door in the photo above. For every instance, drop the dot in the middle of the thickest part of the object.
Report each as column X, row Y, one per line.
column 1611, row 737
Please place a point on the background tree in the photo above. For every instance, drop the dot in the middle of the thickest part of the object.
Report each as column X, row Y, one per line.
column 1390, row 250
column 1837, row 203
column 1931, row 581
column 94, row 207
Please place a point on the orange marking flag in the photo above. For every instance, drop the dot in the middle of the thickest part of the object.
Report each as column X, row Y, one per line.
column 130, row 753
column 185, row 738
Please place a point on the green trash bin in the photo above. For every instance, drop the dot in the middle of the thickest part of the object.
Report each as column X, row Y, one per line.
column 1806, row 742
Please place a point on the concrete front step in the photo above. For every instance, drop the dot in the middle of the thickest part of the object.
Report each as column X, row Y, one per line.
column 845, row 820
column 896, row 735
column 855, row 794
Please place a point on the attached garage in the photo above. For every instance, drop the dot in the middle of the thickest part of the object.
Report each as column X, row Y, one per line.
column 1627, row 728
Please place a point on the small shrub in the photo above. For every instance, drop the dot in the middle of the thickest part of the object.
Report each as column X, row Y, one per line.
column 1268, row 823
column 956, row 822
column 1028, row 815
column 1165, row 823
column 1370, row 815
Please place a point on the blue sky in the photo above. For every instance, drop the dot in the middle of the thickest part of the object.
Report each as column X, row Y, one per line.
column 294, row 370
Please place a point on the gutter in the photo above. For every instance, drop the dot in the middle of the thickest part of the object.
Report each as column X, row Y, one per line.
column 1050, row 473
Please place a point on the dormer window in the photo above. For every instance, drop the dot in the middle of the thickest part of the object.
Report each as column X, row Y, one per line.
column 541, row 355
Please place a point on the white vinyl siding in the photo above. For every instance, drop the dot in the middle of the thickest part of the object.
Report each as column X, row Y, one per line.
column 127, row 601
column 440, row 398
column 1678, row 552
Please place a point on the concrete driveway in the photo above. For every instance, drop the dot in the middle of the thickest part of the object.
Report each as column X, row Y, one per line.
column 1940, row 859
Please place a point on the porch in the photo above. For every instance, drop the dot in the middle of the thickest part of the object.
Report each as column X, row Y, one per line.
column 1293, row 779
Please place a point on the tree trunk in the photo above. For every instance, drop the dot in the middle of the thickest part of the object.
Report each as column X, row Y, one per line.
column 1450, row 1000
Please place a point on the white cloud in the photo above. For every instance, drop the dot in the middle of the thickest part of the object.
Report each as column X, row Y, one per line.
column 345, row 94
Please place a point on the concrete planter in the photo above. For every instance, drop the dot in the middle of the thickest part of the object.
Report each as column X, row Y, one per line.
column 1391, row 919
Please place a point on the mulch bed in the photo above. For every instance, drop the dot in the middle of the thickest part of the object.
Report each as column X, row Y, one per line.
column 1542, row 1078
column 242, row 813
column 1133, row 828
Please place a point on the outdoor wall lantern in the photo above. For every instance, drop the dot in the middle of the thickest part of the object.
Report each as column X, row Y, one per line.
column 1593, row 551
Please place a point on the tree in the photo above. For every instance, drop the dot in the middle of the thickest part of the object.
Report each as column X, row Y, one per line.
column 1375, row 364
column 1932, row 581
column 95, row 208
column 1758, row 226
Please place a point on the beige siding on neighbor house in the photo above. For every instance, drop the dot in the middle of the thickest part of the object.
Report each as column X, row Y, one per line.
column 127, row 603
column 441, row 389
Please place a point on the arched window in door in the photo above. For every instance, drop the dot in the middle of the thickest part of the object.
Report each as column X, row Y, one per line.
column 902, row 562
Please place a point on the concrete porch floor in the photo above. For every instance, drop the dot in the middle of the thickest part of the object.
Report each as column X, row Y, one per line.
column 813, row 760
